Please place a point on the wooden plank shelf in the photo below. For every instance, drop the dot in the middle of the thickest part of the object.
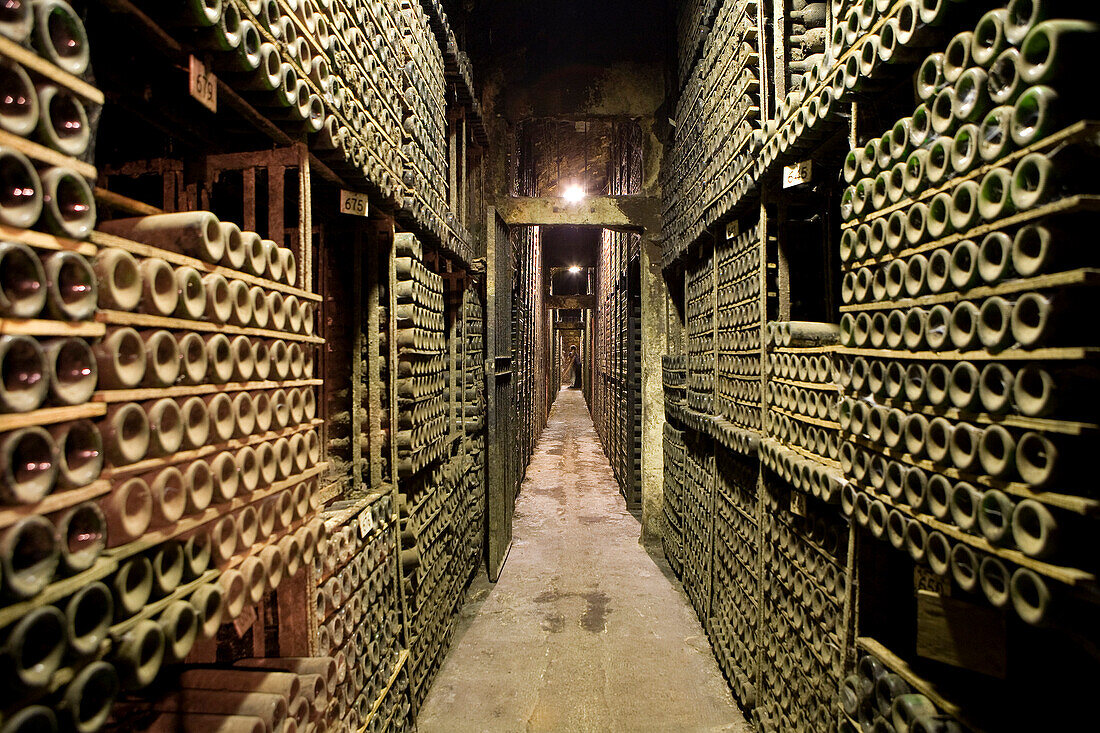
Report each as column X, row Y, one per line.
column 1065, row 427
column 150, row 393
column 41, row 240
column 125, row 204
column 144, row 320
column 1059, row 353
column 152, row 464
column 189, row 524
column 102, row 239
column 32, row 62
column 1072, row 278
column 1077, row 132
column 1069, row 502
column 47, row 156
column 47, row 327
column 808, row 455
column 260, row 545
column 1067, row 205
column 828, row 387
column 1067, row 575
column 802, row 350
column 402, row 658
column 901, row 668
column 50, row 416
column 150, row 610
column 55, row 502
column 58, row 590
column 827, row 424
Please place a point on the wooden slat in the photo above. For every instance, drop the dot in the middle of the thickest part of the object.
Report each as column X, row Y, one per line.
column 1077, row 131
column 41, row 240
column 900, row 667
column 124, row 204
column 153, row 609
column 1069, row 502
column 1067, row 575
column 54, row 502
column 35, row 63
column 1070, row 204
column 149, row 393
column 43, row 327
column 189, row 524
column 1063, row 353
column 102, row 239
column 57, row 591
column 1082, row 277
column 401, row 660
column 152, row 464
column 49, row 416
column 49, row 156
column 144, row 320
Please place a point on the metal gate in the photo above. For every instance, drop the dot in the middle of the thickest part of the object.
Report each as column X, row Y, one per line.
column 500, row 268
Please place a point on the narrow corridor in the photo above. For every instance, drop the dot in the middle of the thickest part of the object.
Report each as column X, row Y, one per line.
column 585, row 631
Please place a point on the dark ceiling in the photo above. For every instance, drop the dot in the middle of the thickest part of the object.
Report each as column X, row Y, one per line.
column 565, row 246
column 546, row 36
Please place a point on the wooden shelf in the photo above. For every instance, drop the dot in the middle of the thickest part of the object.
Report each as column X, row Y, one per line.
column 58, row 590
column 150, row 393
column 144, row 320
column 151, row 464
column 1074, row 133
column 125, row 204
column 802, row 350
column 402, row 658
column 266, row 542
column 826, row 424
column 193, row 522
column 46, row 327
column 34, row 63
column 50, row 416
column 1072, row 278
column 41, row 240
column 829, row 386
column 808, row 455
column 1065, row 427
column 1066, row 575
column 102, row 239
column 901, row 668
column 54, row 502
column 116, row 631
column 1067, row 205
column 1061, row 353
column 1069, row 502
column 48, row 156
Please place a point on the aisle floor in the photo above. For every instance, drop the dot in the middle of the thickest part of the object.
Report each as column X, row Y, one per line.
column 585, row 630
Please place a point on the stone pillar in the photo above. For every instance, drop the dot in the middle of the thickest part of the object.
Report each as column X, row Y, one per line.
column 654, row 345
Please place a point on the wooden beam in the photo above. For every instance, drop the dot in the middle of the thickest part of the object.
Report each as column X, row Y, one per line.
column 570, row 302
column 632, row 213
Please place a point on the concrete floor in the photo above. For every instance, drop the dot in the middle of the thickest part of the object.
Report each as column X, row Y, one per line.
column 586, row 630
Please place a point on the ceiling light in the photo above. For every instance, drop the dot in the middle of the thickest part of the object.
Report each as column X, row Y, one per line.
column 574, row 269
column 573, row 194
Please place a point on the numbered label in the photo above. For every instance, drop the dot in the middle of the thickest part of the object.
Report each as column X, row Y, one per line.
column 354, row 204
column 204, row 85
column 798, row 504
column 366, row 522
column 796, row 175
column 733, row 229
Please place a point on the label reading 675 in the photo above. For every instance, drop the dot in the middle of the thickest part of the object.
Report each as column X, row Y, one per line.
column 353, row 203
